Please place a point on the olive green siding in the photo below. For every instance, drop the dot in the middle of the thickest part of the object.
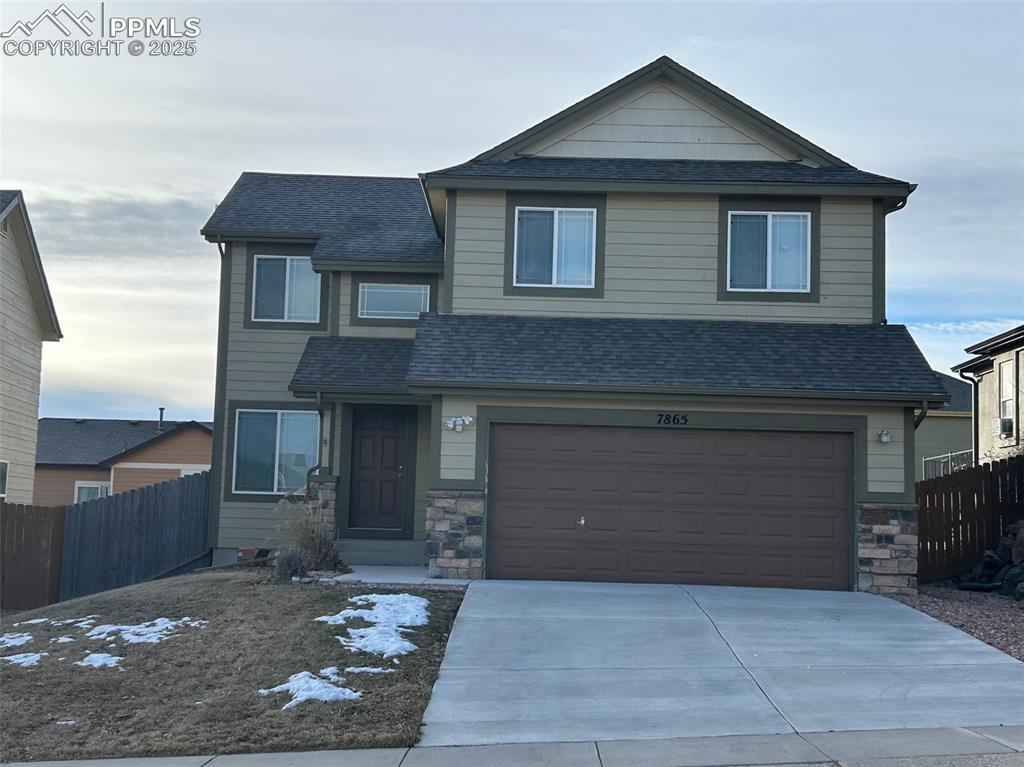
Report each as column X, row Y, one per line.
column 939, row 435
column 661, row 262
column 886, row 464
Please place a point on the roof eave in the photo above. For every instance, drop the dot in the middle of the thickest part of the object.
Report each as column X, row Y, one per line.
column 41, row 297
column 996, row 342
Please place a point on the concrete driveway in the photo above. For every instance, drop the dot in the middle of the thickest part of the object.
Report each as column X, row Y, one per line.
column 532, row 661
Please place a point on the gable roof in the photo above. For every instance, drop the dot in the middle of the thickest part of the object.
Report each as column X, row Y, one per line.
column 708, row 357
column 98, row 441
column 984, row 350
column 351, row 220
column 961, row 393
column 668, row 68
column 12, row 203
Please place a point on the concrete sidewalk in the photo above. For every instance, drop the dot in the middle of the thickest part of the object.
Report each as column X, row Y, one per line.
column 939, row 747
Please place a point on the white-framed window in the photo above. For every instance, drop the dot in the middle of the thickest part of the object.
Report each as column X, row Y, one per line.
column 555, row 247
column 274, row 449
column 90, row 490
column 4, row 466
column 285, row 289
column 381, row 301
column 769, row 252
column 1007, row 390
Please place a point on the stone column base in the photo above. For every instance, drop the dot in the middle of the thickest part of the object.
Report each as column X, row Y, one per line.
column 455, row 533
column 887, row 548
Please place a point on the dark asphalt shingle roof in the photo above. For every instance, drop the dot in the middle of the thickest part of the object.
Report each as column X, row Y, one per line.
column 669, row 354
column 7, row 197
column 336, row 363
column 677, row 171
column 355, row 218
column 88, row 441
column 961, row 395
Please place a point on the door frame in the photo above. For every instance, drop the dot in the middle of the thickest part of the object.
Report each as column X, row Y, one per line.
column 410, row 418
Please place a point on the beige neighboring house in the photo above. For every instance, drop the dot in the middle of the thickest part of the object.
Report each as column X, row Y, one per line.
column 642, row 340
column 80, row 459
column 27, row 319
column 997, row 372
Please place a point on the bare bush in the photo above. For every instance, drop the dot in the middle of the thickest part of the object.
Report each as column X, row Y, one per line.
column 290, row 564
column 310, row 530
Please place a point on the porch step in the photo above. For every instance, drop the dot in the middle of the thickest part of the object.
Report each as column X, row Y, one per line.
column 358, row 551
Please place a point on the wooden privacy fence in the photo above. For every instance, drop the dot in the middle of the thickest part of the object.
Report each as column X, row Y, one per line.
column 962, row 514
column 104, row 543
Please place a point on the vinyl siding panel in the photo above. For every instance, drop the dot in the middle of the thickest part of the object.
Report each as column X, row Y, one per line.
column 133, row 479
column 21, row 348
column 659, row 121
column 661, row 261
column 885, row 462
column 190, row 446
column 56, row 486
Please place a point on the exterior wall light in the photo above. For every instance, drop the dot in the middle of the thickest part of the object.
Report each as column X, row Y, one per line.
column 883, row 436
column 458, row 423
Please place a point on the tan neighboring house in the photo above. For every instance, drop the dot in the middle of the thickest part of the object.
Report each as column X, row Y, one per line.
column 997, row 373
column 80, row 459
column 642, row 340
column 27, row 319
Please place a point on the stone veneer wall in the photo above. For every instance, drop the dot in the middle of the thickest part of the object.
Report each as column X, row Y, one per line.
column 887, row 548
column 322, row 496
column 455, row 533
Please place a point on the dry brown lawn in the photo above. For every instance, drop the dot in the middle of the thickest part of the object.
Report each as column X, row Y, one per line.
column 196, row 692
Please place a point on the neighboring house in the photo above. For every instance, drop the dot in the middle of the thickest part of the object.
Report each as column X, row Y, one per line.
column 643, row 340
column 997, row 373
column 943, row 438
column 27, row 318
column 80, row 459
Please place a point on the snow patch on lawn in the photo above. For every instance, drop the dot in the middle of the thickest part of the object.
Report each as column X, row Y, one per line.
column 100, row 660
column 32, row 621
column 331, row 674
column 368, row 670
column 390, row 614
column 305, row 686
column 65, row 721
column 149, row 632
column 25, row 658
column 63, row 639
column 14, row 639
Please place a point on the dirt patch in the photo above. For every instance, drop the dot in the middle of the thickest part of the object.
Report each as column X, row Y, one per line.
column 196, row 692
column 994, row 619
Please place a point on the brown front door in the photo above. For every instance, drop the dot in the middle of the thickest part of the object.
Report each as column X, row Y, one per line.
column 741, row 508
column 380, row 479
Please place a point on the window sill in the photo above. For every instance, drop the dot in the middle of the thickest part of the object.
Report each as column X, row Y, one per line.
column 382, row 322
column 554, row 292
column 307, row 327
column 769, row 296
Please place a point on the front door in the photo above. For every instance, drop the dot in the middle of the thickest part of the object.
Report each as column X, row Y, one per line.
column 381, row 479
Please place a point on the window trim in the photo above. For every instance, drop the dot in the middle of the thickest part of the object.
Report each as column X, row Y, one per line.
column 554, row 210
column 769, row 216
column 517, row 200
column 101, row 483
column 288, row 260
column 360, row 278
column 282, row 250
column 1009, row 396
column 7, row 480
column 277, row 447
column 764, row 205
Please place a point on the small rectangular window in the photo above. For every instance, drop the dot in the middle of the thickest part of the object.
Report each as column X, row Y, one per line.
column 769, row 252
column 555, row 247
column 274, row 449
column 1007, row 390
column 3, row 227
column 90, row 491
column 3, row 479
column 380, row 301
column 285, row 289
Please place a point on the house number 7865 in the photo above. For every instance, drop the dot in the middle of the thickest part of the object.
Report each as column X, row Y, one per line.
column 672, row 419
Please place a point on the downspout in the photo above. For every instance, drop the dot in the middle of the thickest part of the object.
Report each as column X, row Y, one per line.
column 920, row 416
column 974, row 413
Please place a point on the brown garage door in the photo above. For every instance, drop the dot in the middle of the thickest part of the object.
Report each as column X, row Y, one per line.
column 743, row 508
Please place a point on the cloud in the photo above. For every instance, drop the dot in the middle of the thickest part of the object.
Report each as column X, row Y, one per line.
column 943, row 343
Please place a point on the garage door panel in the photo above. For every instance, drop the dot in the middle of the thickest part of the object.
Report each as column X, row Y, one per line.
column 668, row 504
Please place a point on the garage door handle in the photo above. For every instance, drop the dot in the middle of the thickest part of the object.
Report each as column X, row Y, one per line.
column 581, row 521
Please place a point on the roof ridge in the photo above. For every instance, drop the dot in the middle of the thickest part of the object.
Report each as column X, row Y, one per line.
column 328, row 175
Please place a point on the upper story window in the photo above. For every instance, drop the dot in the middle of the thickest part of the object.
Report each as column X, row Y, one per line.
column 555, row 247
column 274, row 449
column 1007, row 390
column 383, row 301
column 769, row 251
column 285, row 289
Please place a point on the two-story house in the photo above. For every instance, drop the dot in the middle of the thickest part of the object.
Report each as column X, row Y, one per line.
column 643, row 340
column 27, row 319
column 996, row 371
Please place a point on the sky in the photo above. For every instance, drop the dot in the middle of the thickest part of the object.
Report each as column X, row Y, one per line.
column 122, row 159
